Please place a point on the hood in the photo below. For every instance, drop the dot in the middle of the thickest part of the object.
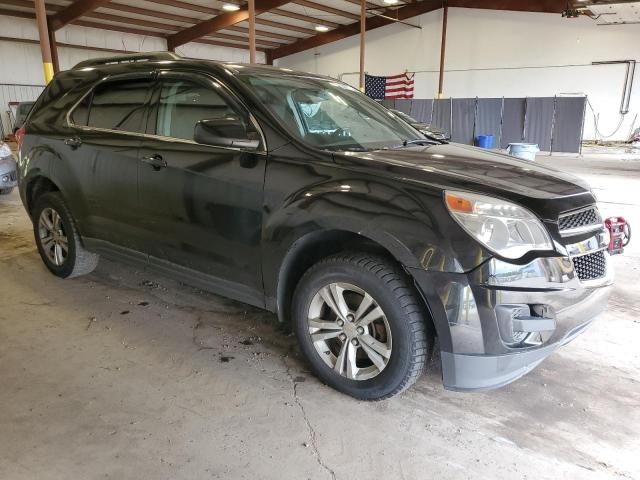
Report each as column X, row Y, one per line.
column 455, row 166
column 429, row 127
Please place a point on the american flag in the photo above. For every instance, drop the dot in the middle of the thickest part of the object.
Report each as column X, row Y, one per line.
column 390, row 88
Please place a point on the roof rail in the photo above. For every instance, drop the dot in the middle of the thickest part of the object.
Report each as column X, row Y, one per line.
column 131, row 58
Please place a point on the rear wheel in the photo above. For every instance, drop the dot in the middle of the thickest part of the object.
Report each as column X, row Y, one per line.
column 58, row 240
column 361, row 326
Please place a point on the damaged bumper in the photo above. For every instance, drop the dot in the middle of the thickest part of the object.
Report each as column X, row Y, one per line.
column 499, row 321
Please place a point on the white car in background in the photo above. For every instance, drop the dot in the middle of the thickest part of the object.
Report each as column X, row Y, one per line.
column 8, row 175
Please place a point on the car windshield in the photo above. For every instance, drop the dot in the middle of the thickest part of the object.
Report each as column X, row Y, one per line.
column 329, row 114
column 405, row 117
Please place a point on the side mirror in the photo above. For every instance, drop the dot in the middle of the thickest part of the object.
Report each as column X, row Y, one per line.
column 225, row 132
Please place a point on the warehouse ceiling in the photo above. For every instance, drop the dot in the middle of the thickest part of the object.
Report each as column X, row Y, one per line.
column 615, row 13
column 283, row 27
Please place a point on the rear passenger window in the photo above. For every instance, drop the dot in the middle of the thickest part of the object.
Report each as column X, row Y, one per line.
column 116, row 105
column 184, row 103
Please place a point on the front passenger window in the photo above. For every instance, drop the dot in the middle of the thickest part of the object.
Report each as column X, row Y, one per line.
column 183, row 104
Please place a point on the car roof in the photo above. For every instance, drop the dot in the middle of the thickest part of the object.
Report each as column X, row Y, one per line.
column 124, row 63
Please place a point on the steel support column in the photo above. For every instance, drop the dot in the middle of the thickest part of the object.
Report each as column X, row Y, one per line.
column 54, row 51
column 252, row 31
column 443, row 46
column 363, row 30
column 43, row 35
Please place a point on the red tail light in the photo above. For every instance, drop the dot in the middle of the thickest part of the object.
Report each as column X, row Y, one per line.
column 20, row 137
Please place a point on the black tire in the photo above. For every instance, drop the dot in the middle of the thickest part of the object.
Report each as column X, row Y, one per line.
column 393, row 291
column 78, row 261
column 6, row 191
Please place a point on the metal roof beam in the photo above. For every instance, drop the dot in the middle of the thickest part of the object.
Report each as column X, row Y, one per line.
column 219, row 23
column 77, row 9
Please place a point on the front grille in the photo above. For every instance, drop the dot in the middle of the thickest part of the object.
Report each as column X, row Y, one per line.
column 590, row 266
column 13, row 176
column 583, row 218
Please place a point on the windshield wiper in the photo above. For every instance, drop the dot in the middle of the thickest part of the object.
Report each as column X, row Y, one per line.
column 417, row 141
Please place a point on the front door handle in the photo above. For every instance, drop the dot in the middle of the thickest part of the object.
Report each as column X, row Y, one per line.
column 156, row 161
column 73, row 142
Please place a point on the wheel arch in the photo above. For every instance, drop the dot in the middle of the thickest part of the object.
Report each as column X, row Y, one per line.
column 36, row 186
column 313, row 246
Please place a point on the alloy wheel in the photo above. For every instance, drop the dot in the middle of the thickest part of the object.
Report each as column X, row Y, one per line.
column 349, row 331
column 53, row 239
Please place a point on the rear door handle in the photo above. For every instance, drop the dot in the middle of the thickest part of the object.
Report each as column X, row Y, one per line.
column 73, row 142
column 156, row 161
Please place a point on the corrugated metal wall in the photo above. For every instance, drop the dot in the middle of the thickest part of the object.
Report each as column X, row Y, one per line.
column 14, row 93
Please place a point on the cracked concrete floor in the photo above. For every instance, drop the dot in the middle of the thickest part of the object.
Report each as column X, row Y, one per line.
column 127, row 375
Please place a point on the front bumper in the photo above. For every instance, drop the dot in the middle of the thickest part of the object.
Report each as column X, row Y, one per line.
column 8, row 173
column 476, row 337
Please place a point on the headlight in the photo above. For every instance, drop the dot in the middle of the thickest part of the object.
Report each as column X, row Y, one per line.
column 503, row 227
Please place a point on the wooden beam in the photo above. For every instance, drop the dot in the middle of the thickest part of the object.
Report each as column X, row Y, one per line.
column 363, row 30
column 187, row 6
column 276, row 11
column 220, row 22
column 345, row 31
column 252, row 31
column 206, row 41
column 325, row 8
column 55, row 60
column 193, row 21
column 285, row 26
column 16, row 14
column 303, row 18
column 77, row 9
column 443, row 46
column 151, row 13
column 43, row 35
column 244, row 40
column 119, row 28
column 547, row 6
column 135, row 31
column 372, row 5
column 262, row 33
column 64, row 45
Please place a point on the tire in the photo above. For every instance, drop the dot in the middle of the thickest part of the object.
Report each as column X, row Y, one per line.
column 77, row 261
column 400, row 332
column 6, row 191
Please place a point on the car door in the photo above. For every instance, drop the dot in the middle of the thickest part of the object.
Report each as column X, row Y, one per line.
column 108, row 126
column 201, row 204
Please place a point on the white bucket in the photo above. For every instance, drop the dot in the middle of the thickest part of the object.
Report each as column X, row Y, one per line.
column 525, row 151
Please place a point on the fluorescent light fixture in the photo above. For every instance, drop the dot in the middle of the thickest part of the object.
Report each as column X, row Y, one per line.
column 322, row 28
column 230, row 7
column 391, row 2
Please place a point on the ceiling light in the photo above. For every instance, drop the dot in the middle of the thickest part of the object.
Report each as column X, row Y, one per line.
column 322, row 28
column 391, row 2
column 230, row 7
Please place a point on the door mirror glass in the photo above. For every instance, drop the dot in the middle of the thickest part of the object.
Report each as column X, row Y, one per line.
column 225, row 132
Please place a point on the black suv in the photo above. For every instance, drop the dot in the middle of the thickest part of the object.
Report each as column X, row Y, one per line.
column 296, row 193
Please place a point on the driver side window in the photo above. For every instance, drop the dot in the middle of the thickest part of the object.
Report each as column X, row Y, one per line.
column 182, row 104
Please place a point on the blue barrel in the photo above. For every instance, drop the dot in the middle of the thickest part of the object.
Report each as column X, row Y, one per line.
column 485, row 141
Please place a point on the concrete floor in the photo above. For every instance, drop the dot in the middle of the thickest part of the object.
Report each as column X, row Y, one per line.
column 125, row 375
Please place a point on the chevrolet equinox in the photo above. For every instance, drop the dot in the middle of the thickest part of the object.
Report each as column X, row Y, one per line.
column 296, row 193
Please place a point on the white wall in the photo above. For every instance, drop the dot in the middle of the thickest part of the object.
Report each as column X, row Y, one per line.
column 21, row 64
column 487, row 52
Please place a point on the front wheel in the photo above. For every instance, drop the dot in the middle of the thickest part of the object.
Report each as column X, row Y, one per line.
column 361, row 326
